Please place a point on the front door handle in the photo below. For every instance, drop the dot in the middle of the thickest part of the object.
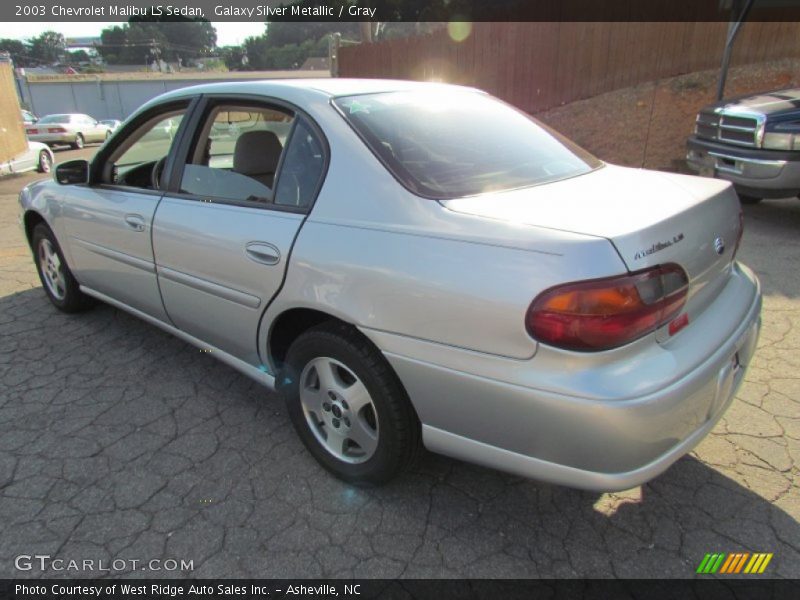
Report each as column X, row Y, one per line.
column 135, row 222
column 262, row 252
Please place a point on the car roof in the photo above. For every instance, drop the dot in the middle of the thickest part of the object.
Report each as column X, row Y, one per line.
column 65, row 115
column 305, row 89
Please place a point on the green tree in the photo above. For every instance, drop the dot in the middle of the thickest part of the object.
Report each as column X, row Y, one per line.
column 112, row 44
column 47, row 47
column 149, row 38
column 77, row 56
column 234, row 57
column 262, row 55
column 18, row 51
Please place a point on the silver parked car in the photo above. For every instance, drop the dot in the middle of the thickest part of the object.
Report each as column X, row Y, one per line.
column 491, row 291
column 112, row 124
column 73, row 129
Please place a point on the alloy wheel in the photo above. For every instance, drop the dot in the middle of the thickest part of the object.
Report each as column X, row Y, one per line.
column 52, row 269
column 339, row 410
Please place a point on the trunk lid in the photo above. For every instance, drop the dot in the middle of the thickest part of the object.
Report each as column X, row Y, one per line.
column 650, row 217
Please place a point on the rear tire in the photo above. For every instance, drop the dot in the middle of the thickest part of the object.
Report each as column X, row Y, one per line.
column 79, row 142
column 348, row 405
column 749, row 199
column 57, row 280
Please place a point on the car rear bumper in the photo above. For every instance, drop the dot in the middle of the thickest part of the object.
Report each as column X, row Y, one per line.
column 52, row 138
column 762, row 173
column 500, row 419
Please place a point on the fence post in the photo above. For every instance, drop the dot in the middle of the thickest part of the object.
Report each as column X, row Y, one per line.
column 334, row 42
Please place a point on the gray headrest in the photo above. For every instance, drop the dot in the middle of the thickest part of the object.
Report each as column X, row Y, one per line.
column 256, row 153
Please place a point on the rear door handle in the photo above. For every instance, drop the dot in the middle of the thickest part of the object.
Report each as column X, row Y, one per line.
column 135, row 222
column 262, row 252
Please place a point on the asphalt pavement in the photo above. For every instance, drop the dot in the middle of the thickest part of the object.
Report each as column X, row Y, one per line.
column 120, row 443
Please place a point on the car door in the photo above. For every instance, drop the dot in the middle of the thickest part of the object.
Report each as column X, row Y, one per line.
column 222, row 236
column 95, row 132
column 25, row 161
column 109, row 221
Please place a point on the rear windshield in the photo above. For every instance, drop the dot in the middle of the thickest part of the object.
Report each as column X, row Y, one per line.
column 449, row 144
column 55, row 119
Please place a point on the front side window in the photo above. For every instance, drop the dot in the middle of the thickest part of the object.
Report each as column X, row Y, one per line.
column 445, row 143
column 139, row 160
column 237, row 154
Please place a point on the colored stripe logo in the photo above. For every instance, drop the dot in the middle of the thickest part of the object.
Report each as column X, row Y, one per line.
column 736, row 562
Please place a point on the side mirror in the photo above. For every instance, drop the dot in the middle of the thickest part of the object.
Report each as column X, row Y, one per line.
column 72, row 171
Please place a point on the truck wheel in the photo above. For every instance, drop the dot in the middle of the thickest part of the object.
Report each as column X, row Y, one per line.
column 348, row 406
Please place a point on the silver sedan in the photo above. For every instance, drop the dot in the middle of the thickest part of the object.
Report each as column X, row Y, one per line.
column 416, row 264
column 73, row 129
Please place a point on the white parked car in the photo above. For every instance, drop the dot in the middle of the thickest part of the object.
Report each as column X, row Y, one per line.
column 36, row 157
column 73, row 129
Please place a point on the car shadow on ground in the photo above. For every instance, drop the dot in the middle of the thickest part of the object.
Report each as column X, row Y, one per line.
column 118, row 440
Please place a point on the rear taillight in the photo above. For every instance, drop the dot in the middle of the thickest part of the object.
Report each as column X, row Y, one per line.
column 33, row 130
column 56, row 130
column 606, row 313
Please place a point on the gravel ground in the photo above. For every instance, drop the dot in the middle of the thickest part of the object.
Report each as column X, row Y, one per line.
column 647, row 125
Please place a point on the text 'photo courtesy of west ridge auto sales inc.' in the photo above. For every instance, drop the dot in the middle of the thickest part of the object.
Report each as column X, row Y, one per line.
column 184, row 590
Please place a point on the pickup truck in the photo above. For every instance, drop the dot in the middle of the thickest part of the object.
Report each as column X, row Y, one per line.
column 752, row 141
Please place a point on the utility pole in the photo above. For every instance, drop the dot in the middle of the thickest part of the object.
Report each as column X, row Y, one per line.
column 739, row 12
column 334, row 42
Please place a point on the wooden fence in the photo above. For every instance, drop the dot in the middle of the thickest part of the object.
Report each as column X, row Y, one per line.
column 539, row 65
column 12, row 133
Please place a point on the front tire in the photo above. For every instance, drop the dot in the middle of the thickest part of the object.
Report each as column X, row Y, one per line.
column 348, row 406
column 57, row 280
column 79, row 142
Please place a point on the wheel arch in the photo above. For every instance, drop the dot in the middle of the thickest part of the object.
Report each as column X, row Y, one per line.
column 292, row 323
column 30, row 220
column 45, row 150
column 288, row 326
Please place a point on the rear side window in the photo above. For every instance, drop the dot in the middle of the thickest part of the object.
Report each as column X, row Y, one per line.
column 445, row 143
column 55, row 119
column 237, row 154
column 302, row 169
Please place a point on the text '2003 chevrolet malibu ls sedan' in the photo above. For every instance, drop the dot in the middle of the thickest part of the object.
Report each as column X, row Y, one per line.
column 416, row 263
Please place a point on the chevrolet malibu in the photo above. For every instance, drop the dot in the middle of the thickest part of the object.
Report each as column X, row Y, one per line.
column 416, row 264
